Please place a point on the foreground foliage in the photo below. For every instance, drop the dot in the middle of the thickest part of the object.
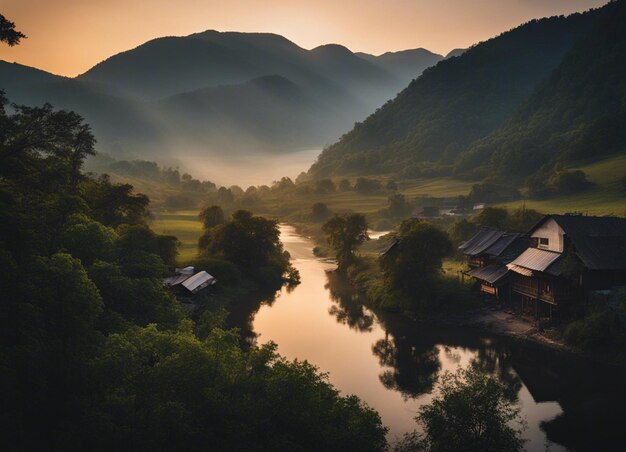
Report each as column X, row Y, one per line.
column 96, row 353
column 470, row 413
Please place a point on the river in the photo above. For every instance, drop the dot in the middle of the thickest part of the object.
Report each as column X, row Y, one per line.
column 392, row 363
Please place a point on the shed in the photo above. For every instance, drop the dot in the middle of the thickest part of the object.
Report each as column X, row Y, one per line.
column 199, row 281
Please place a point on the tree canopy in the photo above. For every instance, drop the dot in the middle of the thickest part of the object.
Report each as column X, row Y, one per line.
column 344, row 234
column 8, row 34
column 470, row 413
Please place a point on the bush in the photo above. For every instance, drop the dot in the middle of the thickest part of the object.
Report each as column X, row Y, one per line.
column 597, row 329
column 367, row 186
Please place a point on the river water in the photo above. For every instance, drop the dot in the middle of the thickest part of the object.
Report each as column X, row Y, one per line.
column 392, row 363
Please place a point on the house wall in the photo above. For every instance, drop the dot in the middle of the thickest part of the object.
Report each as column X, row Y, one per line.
column 553, row 232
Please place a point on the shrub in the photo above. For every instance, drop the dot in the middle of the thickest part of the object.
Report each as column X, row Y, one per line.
column 598, row 329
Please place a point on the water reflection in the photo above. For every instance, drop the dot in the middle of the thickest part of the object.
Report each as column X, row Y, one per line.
column 392, row 362
column 347, row 306
column 408, row 369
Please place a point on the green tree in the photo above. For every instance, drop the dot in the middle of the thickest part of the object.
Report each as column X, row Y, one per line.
column 522, row 219
column 397, row 205
column 461, row 230
column 114, row 204
column 211, row 216
column 344, row 185
column 247, row 241
column 8, row 34
column 470, row 413
column 320, row 211
column 345, row 233
column 88, row 240
column 418, row 258
column 492, row 217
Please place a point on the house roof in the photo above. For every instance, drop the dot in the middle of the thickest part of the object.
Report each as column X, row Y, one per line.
column 491, row 273
column 198, row 281
column 175, row 280
column 185, row 271
column 394, row 242
column 534, row 259
column 488, row 241
column 600, row 242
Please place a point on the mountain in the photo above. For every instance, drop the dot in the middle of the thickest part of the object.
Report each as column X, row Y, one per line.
column 405, row 65
column 579, row 112
column 455, row 53
column 456, row 102
column 167, row 94
column 261, row 114
column 113, row 118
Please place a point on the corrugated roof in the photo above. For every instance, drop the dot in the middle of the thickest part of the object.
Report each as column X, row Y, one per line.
column 535, row 259
column 502, row 243
column 600, row 242
column 489, row 241
column 175, row 280
column 491, row 273
column 480, row 241
column 199, row 281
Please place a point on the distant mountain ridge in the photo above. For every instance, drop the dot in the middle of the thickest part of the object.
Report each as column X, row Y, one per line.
column 126, row 97
column 432, row 124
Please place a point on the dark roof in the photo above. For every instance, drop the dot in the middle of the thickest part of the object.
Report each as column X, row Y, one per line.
column 488, row 241
column 600, row 242
column 491, row 273
column 535, row 259
column 394, row 242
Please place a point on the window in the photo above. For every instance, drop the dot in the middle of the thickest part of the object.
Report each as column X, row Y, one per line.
column 544, row 242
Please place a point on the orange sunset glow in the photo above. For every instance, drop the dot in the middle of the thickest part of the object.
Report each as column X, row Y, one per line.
column 67, row 37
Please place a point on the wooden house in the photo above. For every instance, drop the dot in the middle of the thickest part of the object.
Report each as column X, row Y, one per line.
column 487, row 253
column 569, row 256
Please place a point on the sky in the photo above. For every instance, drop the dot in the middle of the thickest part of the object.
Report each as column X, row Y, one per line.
column 67, row 37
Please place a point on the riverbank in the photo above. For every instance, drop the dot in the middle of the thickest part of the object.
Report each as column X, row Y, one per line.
column 497, row 322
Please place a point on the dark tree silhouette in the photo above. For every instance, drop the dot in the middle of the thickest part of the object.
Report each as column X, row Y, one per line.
column 8, row 34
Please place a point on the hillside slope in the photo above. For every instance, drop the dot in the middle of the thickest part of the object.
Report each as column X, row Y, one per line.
column 140, row 102
column 456, row 102
column 261, row 114
column 578, row 113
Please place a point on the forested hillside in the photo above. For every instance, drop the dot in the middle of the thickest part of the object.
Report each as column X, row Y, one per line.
column 458, row 101
column 578, row 113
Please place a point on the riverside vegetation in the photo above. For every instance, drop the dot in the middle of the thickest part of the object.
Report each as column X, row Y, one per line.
column 95, row 351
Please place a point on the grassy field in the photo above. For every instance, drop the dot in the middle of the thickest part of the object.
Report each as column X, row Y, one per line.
column 607, row 197
column 185, row 226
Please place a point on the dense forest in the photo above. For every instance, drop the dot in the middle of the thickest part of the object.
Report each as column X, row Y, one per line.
column 96, row 352
column 503, row 102
column 576, row 114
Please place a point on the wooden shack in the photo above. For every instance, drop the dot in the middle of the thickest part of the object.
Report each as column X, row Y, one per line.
column 569, row 256
column 487, row 253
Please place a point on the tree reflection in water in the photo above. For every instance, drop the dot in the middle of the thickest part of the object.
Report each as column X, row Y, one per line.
column 348, row 309
column 411, row 370
column 493, row 360
column 412, row 355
